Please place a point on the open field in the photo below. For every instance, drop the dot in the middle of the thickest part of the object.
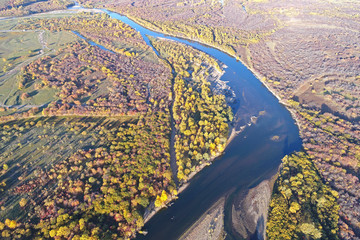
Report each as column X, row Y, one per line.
column 16, row 47
column 19, row 48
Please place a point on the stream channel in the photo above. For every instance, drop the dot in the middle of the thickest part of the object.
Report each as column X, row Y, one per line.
column 251, row 157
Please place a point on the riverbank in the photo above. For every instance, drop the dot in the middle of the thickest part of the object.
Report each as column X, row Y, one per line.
column 235, row 169
column 258, row 75
column 218, row 86
column 209, row 226
column 152, row 211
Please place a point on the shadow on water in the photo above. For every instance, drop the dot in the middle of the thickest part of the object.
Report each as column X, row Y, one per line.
column 260, row 228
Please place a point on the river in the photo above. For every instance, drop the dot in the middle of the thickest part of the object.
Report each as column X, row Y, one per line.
column 251, row 156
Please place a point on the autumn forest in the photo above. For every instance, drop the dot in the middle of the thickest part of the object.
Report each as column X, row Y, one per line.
column 88, row 160
column 102, row 126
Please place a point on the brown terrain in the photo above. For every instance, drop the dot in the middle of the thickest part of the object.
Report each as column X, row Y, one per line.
column 307, row 52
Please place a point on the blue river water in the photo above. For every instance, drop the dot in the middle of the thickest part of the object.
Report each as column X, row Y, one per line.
column 251, row 157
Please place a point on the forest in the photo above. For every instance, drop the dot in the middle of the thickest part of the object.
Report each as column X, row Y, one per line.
column 88, row 161
column 307, row 54
column 99, row 28
column 201, row 117
column 99, row 191
column 302, row 206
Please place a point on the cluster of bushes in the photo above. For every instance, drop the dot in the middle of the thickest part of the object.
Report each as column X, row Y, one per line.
column 302, row 206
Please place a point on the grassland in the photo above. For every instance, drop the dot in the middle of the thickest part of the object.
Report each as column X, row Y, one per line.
column 18, row 48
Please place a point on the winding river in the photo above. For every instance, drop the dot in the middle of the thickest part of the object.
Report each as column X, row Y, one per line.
column 251, row 156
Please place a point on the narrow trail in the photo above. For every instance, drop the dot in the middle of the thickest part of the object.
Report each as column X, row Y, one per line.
column 22, row 106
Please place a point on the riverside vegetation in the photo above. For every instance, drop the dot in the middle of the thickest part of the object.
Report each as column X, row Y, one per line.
column 200, row 116
column 319, row 83
column 85, row 132
column 95, row 159
column 307, row 54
